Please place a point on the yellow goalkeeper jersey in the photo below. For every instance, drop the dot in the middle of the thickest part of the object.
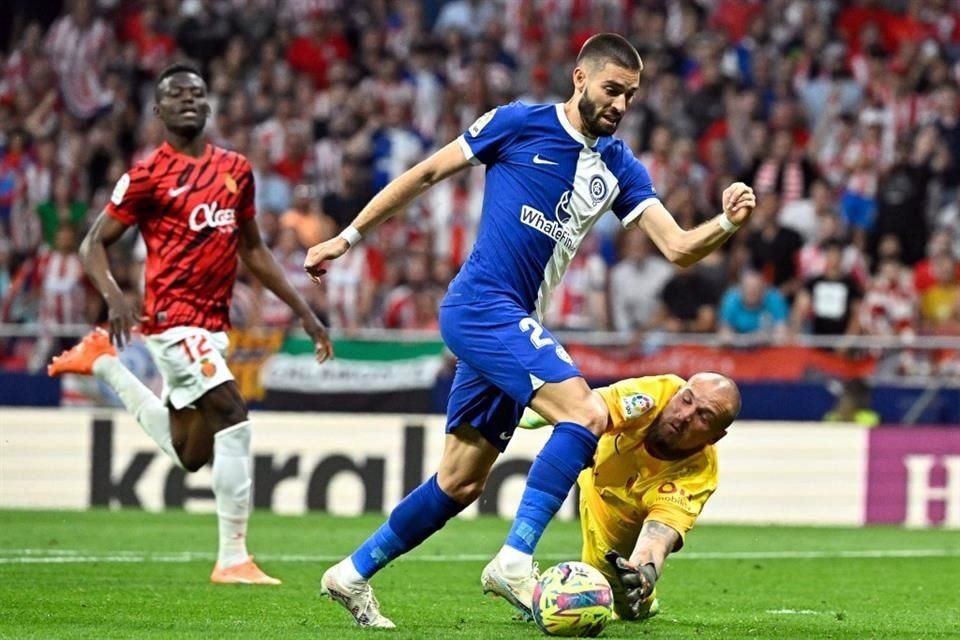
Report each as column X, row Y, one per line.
column 627, row 485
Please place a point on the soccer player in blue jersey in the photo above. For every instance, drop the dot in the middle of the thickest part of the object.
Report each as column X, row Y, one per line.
column 551, row 172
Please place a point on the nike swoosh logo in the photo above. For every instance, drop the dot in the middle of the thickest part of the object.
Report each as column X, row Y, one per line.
column 538, row 160
column 173, row 193
column 505, row 436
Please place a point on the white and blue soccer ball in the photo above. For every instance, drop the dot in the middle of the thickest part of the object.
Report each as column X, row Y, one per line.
column 572, row 599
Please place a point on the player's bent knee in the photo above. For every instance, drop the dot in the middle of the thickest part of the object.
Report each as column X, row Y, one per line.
column 223, row 407
column 192, row 467
column 233, row 416
column 573, row 401
column 192, row 464
column 463, row 489
column 466, row 493
column 598, row 416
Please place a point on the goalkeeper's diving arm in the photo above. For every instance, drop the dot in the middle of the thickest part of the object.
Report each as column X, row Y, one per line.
column 640, row 573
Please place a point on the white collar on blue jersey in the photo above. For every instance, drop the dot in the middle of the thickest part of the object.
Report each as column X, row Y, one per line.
column 571, row 130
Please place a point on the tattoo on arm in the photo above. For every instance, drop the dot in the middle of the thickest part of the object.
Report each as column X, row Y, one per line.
column 654, row 544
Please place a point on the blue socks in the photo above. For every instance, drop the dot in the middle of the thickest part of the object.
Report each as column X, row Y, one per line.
column 427, row 508
column 418, row 516
column 569, row 449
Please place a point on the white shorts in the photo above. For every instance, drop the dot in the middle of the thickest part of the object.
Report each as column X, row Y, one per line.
column 191, row 361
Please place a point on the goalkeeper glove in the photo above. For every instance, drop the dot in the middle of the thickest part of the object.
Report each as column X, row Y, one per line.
column 638, row 582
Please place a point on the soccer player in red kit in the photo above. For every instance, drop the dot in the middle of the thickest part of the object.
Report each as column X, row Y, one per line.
column 193, row 203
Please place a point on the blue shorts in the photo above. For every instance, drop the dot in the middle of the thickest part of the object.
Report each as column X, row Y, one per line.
column 504, row 355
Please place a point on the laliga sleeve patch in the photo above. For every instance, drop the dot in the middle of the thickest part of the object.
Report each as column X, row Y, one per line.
column 636, row 404
column 481, row 122
column 120, row 190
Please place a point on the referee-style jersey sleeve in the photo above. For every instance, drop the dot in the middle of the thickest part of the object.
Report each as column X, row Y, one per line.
column 636, row 186
column 485, row 140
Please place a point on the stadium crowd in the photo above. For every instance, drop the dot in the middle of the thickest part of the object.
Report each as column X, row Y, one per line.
column 843, row 116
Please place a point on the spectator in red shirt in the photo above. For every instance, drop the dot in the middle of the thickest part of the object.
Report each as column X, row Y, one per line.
column 296, row 160
column 154, row 47
column 854, row 18
column 939, row 245
column 734, row 16
column 910, row 27
column 324, row 41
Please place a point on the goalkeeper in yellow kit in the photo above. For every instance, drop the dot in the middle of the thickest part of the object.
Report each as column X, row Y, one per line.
column 654, row 469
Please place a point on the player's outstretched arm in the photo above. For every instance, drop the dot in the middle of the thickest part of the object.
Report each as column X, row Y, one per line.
column 640, row 573
column 685, row 248
column 93, row 255
column 259, row 259
column 389, row 201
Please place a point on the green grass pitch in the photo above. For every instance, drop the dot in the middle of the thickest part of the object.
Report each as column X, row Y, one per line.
column 139, row 575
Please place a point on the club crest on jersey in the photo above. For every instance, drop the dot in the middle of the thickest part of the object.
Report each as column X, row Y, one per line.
column 636, row 404
column 210, row 215
column 598, row 189
column 230, row 183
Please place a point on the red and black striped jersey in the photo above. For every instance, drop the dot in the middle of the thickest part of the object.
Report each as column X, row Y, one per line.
column 187, row 210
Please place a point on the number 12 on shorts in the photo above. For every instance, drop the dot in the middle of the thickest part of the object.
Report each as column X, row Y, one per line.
column 196, row 346
column 536, row 333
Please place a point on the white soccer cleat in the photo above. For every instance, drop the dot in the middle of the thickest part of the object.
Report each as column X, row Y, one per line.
column 517, row 590
column 358, row 600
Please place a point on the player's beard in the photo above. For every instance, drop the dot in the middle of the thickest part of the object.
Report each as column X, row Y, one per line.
column 657, row 439
column 660, row 444
column 591, row 114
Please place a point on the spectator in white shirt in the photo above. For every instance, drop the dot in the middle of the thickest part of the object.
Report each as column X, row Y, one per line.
column 636, row 282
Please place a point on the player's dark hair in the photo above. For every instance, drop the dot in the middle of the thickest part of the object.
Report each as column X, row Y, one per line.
column 610, row 47
column 173, row 69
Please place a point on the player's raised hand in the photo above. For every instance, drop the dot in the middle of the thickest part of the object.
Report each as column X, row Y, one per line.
column 638, row 582
column 122, row 318
column 322, row 345
column 319, row 254
column 738, row 202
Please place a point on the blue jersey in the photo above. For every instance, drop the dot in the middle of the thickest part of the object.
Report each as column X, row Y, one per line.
column 546, row 186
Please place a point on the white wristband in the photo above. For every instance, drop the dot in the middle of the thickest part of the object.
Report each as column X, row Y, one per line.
column 351, row 235
column 725, row 223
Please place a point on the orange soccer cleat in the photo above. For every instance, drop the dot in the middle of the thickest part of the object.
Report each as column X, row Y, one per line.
column 80, row 358
column 244, row 573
